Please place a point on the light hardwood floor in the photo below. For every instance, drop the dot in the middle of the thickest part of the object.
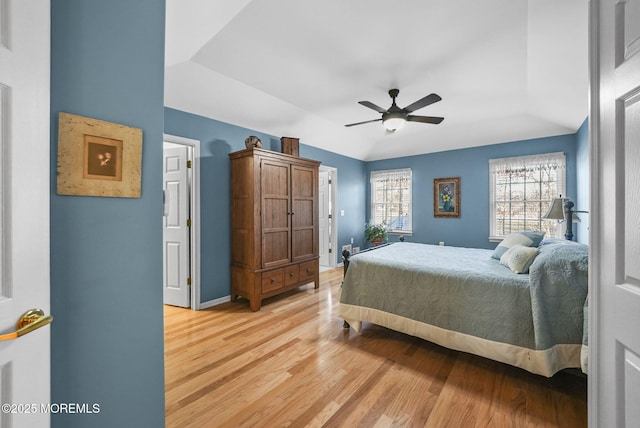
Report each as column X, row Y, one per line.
column 291, row 364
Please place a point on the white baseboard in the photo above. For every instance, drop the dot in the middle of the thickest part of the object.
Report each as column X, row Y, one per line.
column 215, row 302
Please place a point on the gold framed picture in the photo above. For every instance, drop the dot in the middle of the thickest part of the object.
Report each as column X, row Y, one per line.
column 446, row 197
column 98, row 158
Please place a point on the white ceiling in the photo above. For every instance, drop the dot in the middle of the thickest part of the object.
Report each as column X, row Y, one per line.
column 506, row 70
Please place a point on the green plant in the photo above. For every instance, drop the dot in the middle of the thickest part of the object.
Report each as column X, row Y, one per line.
column 375, row 232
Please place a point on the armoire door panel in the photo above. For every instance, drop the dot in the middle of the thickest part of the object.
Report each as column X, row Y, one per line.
column 275, row 179
column 304, row 213
column 303, row 244
column 303, row 182
column 275, row 248
column 275, row 213
column 304, row 188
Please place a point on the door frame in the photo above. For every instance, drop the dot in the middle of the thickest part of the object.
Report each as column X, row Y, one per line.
column 333, row 199
column 194, row 206
column 594, row 228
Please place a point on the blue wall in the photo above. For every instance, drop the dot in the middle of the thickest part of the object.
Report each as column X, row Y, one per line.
column 107, row 62
column 217, row 140
column 472, row 166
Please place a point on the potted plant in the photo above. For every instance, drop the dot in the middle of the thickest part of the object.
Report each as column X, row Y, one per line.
column 375, row 233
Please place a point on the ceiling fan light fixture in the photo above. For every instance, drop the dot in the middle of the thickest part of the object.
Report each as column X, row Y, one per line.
column 392, row 122
column 394, row 117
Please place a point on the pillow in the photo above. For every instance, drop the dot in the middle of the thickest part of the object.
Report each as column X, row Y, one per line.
column 561, row 260
column 518, row 258
column 528, row 239
column 556, row 241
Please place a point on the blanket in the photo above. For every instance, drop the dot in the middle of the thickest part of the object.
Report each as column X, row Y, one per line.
column 464, row 299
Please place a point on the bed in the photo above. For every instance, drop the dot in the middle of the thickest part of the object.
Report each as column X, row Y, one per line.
column 467, row 300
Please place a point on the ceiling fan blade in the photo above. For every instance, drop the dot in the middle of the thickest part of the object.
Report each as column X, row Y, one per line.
column 423, row 102
column 425, row 119
column 372, row 106
column 362, row 123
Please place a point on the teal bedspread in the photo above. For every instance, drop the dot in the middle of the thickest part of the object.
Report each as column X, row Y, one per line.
column 558, row 281
column 465, row 290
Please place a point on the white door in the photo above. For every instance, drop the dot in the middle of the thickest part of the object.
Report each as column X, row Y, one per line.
column 24, row 211
column 176, row 273
column 324, row 230
column 614, row 363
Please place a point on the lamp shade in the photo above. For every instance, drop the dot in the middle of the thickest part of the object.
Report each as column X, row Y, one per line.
column 556, row 212
column 561, row 209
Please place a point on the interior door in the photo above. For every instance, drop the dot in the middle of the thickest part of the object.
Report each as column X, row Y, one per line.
column 324, row 231
column 614, row 381
column 175, row 233
column 24, row 209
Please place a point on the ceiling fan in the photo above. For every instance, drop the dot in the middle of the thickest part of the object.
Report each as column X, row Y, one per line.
column 395, row 117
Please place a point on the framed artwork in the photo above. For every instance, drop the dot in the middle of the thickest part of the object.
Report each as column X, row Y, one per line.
column 446, row 197
column 98, row 158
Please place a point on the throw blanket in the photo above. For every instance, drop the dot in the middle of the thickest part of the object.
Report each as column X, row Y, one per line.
column 464, row 299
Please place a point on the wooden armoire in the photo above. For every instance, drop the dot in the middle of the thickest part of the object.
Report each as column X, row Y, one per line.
column 274, row 224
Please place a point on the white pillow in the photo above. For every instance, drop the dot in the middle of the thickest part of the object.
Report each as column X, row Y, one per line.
column 528, row 239
column 519, row 258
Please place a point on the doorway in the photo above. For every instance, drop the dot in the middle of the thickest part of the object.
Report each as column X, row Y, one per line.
column 181, row 222
column 328, row 222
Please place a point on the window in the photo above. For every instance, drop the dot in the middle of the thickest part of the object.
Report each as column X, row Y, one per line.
column 521, row 192
column 391, row 199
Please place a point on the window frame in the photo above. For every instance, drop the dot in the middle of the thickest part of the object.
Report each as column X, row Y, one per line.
column 375, row 175
column 529, row 162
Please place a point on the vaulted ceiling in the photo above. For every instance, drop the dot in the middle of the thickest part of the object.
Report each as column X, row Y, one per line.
column 506, row 70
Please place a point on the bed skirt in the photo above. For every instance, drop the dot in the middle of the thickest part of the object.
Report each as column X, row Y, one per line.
column 545, row 362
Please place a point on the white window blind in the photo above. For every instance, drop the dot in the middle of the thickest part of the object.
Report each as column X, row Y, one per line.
column 391, row 199
column 521, row 191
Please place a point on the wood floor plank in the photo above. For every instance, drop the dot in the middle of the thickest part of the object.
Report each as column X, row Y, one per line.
column 292, row 364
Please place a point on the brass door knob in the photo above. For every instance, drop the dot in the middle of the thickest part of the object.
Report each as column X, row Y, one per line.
column 31, row 320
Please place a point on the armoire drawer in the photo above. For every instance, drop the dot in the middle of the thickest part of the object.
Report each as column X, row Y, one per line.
column 272, row 280
column 291, row 275
column 308, row 270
